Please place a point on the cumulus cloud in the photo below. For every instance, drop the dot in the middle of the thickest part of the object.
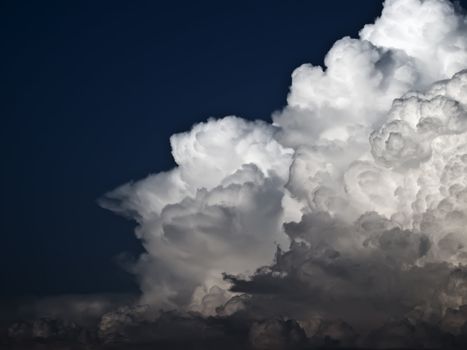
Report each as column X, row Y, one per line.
column 218, row 211
column 351, row 205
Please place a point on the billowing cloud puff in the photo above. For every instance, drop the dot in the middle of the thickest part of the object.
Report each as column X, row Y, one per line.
column 431, row 32
column 219, row 211
column 351, row 205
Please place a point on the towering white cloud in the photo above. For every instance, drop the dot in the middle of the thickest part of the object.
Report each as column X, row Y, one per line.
column 363, row 173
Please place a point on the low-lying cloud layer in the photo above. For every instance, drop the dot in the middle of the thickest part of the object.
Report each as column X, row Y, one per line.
column 350, row 205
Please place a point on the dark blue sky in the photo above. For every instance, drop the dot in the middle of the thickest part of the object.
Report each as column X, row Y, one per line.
column 92, row 92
